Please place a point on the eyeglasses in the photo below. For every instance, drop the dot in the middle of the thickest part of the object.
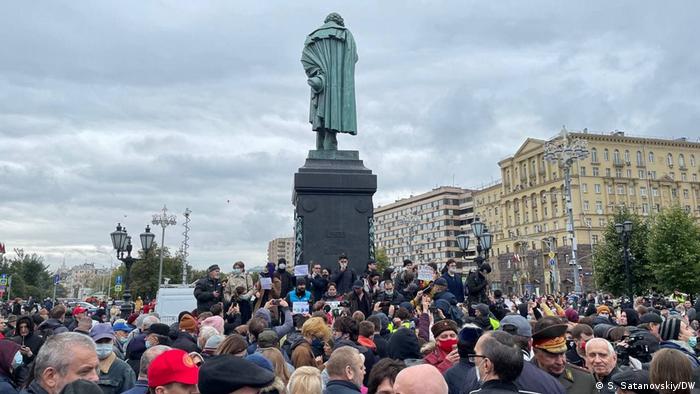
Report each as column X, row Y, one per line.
column 473, row 357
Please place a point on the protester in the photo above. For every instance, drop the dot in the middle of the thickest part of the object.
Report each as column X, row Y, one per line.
column 173, row 372
column 10, row 360
column 62, row 359
column 445, row 353
column 359, row 299
column 221, row 375
column 305, row 380
column 346, row 277
column 671, row 367
column 346, row 371
column 420, row 379
column 498, row 362
column 580, row 334
column 208, row 290
column 141, row 385
column 28, row 340
column 477, row 284
column 601, row 360
column 318, row 282
column 239, row 289
column 454, row 280
column 115, row 375
column 304, row 352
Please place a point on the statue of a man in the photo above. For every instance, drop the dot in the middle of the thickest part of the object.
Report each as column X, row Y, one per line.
column 329, row 58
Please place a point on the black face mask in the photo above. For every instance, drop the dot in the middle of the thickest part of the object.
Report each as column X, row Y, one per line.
column 570, row 344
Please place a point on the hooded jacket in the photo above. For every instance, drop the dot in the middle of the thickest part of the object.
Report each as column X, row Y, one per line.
column 32, row 340
column 8, row 349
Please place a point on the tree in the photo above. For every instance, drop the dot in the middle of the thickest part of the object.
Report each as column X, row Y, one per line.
column 30, row 276
column 382, row 260
column 608, row 261
column 674, row 251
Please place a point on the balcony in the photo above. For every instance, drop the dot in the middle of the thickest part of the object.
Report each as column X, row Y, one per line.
column 618, row 163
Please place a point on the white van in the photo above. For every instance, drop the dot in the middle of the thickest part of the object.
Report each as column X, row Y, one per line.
column 173, row 300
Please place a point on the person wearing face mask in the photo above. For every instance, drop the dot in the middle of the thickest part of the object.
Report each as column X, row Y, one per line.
column 158, row 334
column 455, row 285
column 388, row 298
column 287, row 280
column 498, row 363
column 445, row 354
column 240, row 288
column 121, row 334
column 677, row 334
column 309, row 350
column 115, row 375
column 10, row 361
column 345, row 277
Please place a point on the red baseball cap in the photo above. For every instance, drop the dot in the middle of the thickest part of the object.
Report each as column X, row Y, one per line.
column 78, row 309
column 173, row 366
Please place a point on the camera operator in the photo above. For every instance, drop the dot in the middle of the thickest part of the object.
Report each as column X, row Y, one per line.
column 388, row 298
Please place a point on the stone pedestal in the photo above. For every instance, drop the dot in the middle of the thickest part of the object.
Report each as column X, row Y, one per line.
column 334, row 210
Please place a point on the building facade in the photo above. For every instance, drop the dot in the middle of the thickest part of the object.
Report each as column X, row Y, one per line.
column 423, row 228
column 532, row 248
column 281, row 248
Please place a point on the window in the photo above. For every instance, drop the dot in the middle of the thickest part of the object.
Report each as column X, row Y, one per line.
column 563, row 240
column 594, row 239
column 616, row 156
column 620, row 189
column 627, row 156
column 641, row 174
column 586, row 206
column 651, row 157
column 653, row 174
column 588, row 222
column 597, row 188
column 645, row 208
column 686, row 194
column 596, row 171
column 695, row 177
column 687, row 209
column 618, row 173
column 692, row 160
column 639, row 158
column 642, row 191
column 654, row 192
column 669, row 160
column 672, row 175
column 594, row 155
column 582, row 171
column 599, row 207
column 684, row 177
column 681, row 160
column 629, row 173
column 584, row 187
column 610, row 189
column 606, row 154
column 631, row 190
column 607, row 172
column 601, row 222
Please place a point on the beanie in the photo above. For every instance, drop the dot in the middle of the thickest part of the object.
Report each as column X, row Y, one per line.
column 188, row 323
column 571, row 315
column 670, row 329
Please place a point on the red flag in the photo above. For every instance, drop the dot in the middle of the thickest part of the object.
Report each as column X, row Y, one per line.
column 2, row 247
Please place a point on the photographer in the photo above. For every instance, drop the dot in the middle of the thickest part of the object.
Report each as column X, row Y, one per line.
column 388, row 298
column 477, row 284
column 318, row 282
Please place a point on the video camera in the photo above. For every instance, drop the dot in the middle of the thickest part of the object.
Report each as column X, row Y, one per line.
column 640, row 344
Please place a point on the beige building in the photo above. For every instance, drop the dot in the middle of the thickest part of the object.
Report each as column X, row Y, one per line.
column 640, row 174
column 423, row 228
column 281, row 248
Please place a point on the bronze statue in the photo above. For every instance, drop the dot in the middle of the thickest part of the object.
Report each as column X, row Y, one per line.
column 329, row 58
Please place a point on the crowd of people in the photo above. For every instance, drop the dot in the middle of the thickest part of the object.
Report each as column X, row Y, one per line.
column 334, row 331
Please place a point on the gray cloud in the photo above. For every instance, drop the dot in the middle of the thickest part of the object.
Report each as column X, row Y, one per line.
column 110, row 110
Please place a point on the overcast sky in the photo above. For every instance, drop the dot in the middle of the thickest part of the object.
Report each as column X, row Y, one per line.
column 109, row 110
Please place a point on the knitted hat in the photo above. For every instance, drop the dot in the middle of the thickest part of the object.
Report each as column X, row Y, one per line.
column 213, row 267
column 603, row 309
column 571, row 315
column 216, row 322
column 442, row 326
column 188, row 323
column 670, row 329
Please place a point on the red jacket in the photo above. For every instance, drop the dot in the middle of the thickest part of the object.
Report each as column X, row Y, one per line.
column 438, row 359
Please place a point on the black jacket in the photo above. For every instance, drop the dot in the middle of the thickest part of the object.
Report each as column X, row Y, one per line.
column 477, row 286
column 288, row 281
column 356, row 304
column 461, row 378
column 33, row 341
column 344, row 280
column 204, row 293
column 497, row 387
column 319, row 286
column 341, row 387
column 186, row 342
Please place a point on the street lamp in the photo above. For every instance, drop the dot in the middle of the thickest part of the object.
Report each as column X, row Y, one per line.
column 484, row 240
column 121, row 242
column 163, row 220
column 565, row 151
column 624, row 230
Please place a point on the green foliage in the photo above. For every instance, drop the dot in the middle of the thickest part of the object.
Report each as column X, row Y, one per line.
column 608, row 258
column 30, row 276
column 382, row 260
column 674, row 250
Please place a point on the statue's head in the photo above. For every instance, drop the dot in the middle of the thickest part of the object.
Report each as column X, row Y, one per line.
column 335, row 17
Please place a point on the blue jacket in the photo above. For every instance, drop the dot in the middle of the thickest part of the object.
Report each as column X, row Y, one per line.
column 694, row 362
column 455, row 286
column 7, row 386
column 293, row 297
column 141, row 387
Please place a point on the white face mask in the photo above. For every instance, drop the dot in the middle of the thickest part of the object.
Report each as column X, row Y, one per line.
column 103, row 350
column 282, row 266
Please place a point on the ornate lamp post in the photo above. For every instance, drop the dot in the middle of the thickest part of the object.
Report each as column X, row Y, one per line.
column 483, row 241
column 624, row 230
column 565, row 151
column 121, row 241
column 163, row 220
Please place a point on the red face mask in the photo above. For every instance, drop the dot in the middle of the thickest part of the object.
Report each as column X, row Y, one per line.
column 447, row 344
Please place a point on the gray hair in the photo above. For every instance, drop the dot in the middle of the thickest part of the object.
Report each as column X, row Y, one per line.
column 148, row 321
column 611, row 349
column 56, row 352
column 148, row 356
